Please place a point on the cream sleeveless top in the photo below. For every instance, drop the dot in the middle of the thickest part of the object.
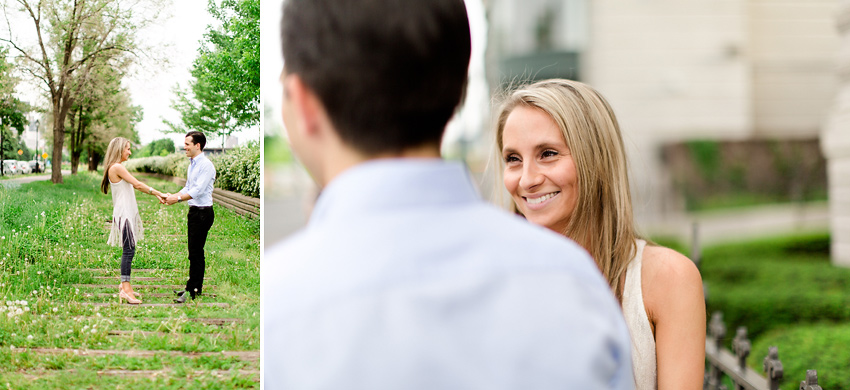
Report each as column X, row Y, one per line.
column 125, row 212
column 643, row 342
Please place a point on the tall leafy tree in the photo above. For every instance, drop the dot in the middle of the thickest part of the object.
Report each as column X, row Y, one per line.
column 103, row 104
column 121, row 123
column 73, row 38
column 11, row 111
column 224, row 95
column 160, row 147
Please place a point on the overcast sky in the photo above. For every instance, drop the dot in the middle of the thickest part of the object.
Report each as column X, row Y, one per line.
column 178, row 37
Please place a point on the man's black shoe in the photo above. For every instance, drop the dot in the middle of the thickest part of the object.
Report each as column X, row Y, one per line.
column 179, row 292
column 181, row 299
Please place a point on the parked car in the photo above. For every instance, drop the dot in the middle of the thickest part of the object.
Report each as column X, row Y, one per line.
column 24, row 167
column 10, row 167
column 36, row 166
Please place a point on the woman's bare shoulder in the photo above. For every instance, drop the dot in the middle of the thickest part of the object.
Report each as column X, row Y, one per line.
column 665, row 262
column 667, row 274
column 118, row 167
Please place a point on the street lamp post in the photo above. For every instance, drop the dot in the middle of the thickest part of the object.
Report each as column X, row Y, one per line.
column 37, row 169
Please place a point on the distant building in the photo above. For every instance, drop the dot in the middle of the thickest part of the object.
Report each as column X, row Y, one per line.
column 33, row 136
column 230, row 143
column 835, row 142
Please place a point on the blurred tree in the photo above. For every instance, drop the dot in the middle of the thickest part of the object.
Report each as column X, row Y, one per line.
column 121, row 122
column 74, row 37
column 160, row 147
column 11, row 111
column 103, row 105
column 224, row 95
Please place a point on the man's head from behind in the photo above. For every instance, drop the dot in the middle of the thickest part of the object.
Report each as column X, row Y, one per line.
column 387, row 74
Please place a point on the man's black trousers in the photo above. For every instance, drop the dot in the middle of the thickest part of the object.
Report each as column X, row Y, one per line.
column 200, row 221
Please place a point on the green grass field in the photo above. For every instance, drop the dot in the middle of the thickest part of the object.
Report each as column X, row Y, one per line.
column 56, row 269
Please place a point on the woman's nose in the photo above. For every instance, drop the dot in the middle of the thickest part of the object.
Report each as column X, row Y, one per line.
column 531, row 176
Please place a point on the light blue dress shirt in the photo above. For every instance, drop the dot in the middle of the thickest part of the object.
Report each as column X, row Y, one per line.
column 199, row 181
column 405, row 279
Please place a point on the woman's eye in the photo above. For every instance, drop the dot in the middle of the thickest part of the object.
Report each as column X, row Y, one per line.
column 549, row 153
column 511, row 159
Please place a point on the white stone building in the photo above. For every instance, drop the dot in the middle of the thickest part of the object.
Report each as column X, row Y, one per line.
column 835, row 142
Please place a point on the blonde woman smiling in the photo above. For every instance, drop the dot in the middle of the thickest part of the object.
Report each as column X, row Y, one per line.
column 565, row 168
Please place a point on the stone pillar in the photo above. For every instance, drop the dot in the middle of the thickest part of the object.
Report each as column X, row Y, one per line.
column 835, row 143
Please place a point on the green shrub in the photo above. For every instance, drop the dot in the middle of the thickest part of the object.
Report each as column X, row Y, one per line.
column 788, row 294
column 239, row 170
column 770, row 283
column 276, row 150
column 820, row 347
column 176, row 165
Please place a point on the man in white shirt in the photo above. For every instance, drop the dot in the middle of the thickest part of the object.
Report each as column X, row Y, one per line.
column 198, row 194
column 403, row 277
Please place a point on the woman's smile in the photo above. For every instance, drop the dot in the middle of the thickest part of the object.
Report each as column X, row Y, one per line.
column 540, row 173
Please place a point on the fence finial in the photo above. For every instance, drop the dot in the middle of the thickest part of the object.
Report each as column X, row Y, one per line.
column 717, row 329
column 811, row 382
column 741, row 346
column 773, row 367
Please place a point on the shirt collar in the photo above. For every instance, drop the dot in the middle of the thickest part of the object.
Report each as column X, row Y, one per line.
column 199, row 157
column 387, row 185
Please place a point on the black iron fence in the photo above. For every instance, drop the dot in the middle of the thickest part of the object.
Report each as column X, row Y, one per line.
column 733, row 364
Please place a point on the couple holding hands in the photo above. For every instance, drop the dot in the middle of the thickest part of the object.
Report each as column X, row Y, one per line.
column 127, row 224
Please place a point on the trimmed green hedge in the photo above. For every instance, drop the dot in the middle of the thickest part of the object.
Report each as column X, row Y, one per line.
column 788, row 294
column 237, row 170
column 821, row 347
column 769, row 283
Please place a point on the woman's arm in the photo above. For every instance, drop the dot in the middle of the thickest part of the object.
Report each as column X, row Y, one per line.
column 675, row 304
column 123, row 173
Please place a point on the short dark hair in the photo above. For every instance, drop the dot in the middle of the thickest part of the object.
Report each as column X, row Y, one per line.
column 390, row 73
column 198, row 138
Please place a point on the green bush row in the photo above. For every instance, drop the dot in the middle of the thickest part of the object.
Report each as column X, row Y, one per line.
column 770, row 283
column 819, row 346
column 237, row 170
column 788, row 294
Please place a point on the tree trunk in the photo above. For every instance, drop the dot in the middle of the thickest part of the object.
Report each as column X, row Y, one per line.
column 75, row 160
column 94, row 159
column 61, row 104
column 76, row 118
column 2, row 171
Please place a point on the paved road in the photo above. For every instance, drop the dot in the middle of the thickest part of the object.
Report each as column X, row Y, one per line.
column 288, row 193
column 17, row 181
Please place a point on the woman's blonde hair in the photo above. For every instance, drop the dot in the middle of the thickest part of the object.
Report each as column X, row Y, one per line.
column 113, row 156
column 602, row 221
